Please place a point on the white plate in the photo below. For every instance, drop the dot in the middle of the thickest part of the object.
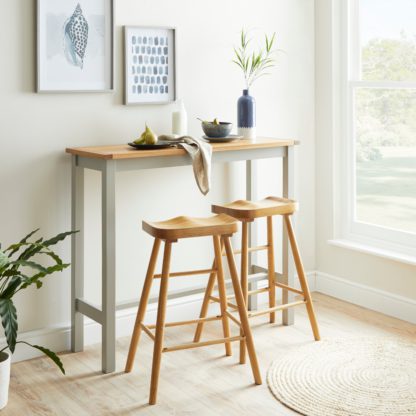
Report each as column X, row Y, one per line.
column 229, row 138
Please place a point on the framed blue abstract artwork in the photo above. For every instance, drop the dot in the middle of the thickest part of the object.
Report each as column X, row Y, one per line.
column 75, row 45
column 150, row 67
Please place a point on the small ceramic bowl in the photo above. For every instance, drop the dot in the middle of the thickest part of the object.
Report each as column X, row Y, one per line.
column 223, row 129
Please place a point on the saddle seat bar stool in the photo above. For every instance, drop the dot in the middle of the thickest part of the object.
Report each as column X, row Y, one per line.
column 249, row 211
column 220, row 227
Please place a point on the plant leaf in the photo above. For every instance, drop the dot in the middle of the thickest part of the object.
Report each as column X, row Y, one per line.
column 237, row 63
column 8, row 316
column 271, row 43
column 18, row 245
column 11, row 287
column 52, row 356
column 32, row 249
column 52, row 241
column 23, row 240
column 48, row 353
column 240, row 59
column 31, row 264
column 53, row 255
column 29, row 252
column 49, row 270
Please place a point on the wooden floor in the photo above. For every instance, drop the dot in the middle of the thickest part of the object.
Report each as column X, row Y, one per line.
column 193, row 382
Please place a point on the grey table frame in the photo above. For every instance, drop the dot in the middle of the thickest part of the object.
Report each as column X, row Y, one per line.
column 106, row 316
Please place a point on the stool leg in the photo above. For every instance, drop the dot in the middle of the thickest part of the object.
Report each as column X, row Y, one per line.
column 242, row 311
column 222, row 292
column 302, row 278
column 271, row 268
column 244, row 281
column 160, row 323
column 142, row 306
column 205, row 303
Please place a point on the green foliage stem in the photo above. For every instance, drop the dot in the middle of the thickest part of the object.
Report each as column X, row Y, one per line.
column 254, row 64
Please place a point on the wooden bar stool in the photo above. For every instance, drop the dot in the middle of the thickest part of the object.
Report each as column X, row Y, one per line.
column 246, row 212
column 220, row 227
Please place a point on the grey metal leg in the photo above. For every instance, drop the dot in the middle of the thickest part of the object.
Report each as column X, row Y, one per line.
column 108, row 267
column 77, row 255
column 251, row 194
column 288, row 268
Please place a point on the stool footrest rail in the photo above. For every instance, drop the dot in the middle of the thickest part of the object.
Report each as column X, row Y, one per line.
column 290, row 289
column 203, row 343
column 218, row 300
column 191, row 321
column 251, row 249
column 276, row 308
column 187, row 273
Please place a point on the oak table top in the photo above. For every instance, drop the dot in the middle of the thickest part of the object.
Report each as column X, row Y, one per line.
column 124, row 151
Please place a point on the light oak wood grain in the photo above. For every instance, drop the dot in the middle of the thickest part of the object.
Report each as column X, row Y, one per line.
column 207, row 298
column 186, row 388
column 124, row 151
column 160, row 323
column 250, row 210
column 222, row 292
column 186, row 227
column 302, row 277
column 244, row 279
column 242, row 312
column 144, row 298
column 271, row 267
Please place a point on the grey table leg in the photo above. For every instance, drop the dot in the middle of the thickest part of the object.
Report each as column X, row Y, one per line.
column 288, row 268
column 77, row 255
column 251, row 194
column 108, row 267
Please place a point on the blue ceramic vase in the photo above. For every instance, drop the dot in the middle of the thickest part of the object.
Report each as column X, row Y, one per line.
column 246, row 116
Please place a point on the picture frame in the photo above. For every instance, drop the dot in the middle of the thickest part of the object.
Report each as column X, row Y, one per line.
column 75, row 46
column 150, row 65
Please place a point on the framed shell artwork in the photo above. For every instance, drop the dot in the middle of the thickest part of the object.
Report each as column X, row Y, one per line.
column 75, row 45
column 150, row 67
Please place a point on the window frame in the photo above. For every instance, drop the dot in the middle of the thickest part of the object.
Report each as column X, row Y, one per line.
column 349, row 56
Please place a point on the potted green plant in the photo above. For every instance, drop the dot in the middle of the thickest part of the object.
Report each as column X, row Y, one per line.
column 19, row 269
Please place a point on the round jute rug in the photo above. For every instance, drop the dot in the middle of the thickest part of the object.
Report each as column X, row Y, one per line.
column 347, row 377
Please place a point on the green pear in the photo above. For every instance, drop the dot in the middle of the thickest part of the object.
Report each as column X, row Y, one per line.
column 150, row 137
column 140, row 140
column 147, row 137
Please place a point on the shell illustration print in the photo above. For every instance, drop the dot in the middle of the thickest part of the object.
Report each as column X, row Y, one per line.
column 76, row 37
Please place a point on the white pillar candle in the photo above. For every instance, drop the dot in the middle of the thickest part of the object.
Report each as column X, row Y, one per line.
column 180, row 120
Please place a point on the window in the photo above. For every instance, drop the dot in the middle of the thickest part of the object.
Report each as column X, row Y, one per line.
column 380, row 122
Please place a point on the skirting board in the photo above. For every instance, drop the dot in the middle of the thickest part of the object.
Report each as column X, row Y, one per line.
column 58, row 338
column 366, row 296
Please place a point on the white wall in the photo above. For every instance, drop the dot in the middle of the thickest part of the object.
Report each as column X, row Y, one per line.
column 35, row 129
column 376, row 272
